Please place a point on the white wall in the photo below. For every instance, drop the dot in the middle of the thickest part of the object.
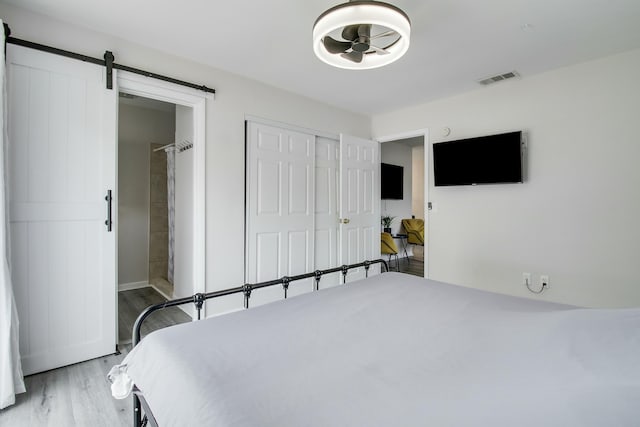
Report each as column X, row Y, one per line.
column 137, row 128
column 183, row 258
column 236, row 97
column 417, row 181
column 576, row 216
column 398, row 154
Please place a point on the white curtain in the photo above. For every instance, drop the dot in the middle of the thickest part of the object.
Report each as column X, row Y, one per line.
column 11, row 381
column 171, row 208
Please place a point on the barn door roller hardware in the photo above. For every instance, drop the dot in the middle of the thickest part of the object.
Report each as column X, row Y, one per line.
column 107, row 62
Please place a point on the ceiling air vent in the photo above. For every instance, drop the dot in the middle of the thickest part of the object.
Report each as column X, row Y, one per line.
column 498, row 78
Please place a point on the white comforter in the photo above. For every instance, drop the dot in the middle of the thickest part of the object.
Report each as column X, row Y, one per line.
column 395, row 350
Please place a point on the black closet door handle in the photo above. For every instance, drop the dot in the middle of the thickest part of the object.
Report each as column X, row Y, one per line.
column 109, row 221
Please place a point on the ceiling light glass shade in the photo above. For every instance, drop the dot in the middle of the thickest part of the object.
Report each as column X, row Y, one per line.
column 357, row 13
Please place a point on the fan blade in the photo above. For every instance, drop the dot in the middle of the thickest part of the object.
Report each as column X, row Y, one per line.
column 364, row 30
column 385, row 34
column 335, row 46
column 350, row 32
column 353, row 56
column 379, row 50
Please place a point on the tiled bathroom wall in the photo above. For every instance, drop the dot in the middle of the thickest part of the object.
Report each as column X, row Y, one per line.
column 158, row 222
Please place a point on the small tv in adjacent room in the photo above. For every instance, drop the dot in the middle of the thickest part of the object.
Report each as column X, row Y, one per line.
column 493, row 159
column 391, row 182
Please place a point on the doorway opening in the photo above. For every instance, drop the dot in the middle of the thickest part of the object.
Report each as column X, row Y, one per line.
column 407, row 151
column 160, row 199
column 149, row 164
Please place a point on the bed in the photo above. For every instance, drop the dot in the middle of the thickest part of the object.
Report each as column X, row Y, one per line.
column 392, row 349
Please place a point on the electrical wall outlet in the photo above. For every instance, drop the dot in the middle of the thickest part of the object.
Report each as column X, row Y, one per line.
column 526, row 279
column 544, row 280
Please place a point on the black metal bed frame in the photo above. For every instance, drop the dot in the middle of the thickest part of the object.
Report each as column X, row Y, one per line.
column 198, row 300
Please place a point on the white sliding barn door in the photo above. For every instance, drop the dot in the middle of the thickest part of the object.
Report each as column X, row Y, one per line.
column 280, row 208
column 62, row 135
column 359, row 203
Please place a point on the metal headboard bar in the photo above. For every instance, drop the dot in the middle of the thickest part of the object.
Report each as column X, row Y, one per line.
column 199, row 299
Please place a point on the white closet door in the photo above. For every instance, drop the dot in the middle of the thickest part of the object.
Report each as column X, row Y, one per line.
column 62, row 134
column 280, row 208
column 359, row 203
column 327, row 208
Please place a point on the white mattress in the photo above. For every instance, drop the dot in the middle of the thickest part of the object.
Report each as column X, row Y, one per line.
column 395, row 350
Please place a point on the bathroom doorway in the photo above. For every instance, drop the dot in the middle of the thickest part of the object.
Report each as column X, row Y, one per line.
column 173, row 156
column 146, row 209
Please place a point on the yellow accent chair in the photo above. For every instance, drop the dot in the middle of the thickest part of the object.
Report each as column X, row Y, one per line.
column 388, row 247
column 415, row 231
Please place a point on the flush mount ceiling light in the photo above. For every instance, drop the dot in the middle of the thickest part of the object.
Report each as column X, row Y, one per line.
column 359, row 35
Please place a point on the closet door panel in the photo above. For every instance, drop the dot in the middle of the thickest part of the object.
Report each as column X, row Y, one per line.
column 267, row 256
column 299, row 197
column 269, row 181
column 320, row 180
column 326, row 208
column 280, row 205
column 360, row 202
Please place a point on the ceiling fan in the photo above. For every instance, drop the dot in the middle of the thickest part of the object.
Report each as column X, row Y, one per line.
column 361, row 34
column 358, row 42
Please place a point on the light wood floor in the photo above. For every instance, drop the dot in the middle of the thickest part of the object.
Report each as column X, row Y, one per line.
column 80, row 395
column 76, row 395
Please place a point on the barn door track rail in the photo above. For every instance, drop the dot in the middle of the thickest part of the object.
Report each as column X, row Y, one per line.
column 107, row 61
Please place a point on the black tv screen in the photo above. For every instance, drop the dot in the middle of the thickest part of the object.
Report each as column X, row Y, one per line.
column 391, row 182
column 489, row 159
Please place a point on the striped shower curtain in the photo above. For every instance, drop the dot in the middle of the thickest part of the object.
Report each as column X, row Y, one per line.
column 171, row 206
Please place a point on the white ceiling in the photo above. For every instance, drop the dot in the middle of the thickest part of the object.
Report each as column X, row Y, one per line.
column 453, row 42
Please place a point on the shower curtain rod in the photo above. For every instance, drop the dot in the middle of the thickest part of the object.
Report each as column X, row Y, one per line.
column 106, row 62
column 173, row 144
column 180, row 147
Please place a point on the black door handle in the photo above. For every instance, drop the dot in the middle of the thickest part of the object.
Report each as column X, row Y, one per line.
column 109, row 221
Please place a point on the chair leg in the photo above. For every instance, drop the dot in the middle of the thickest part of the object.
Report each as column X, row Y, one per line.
column 397, row 261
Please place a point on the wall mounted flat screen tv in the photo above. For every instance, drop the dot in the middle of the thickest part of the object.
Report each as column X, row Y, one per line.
column 493, row 159
column 391, row 182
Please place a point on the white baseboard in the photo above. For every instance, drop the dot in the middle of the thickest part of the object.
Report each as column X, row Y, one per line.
column 132, row 285
column 188, row 309
column 168, row 297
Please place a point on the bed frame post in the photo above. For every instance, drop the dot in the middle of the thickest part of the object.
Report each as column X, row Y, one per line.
column 318, row 276
column 345, row 268
column 198, row 301
column 137, row 413
column 367, row 264
column 246, row 289
column 285, row 285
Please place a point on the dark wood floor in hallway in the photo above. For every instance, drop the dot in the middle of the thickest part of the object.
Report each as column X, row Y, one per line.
column 412, row 265
column 132, row 303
